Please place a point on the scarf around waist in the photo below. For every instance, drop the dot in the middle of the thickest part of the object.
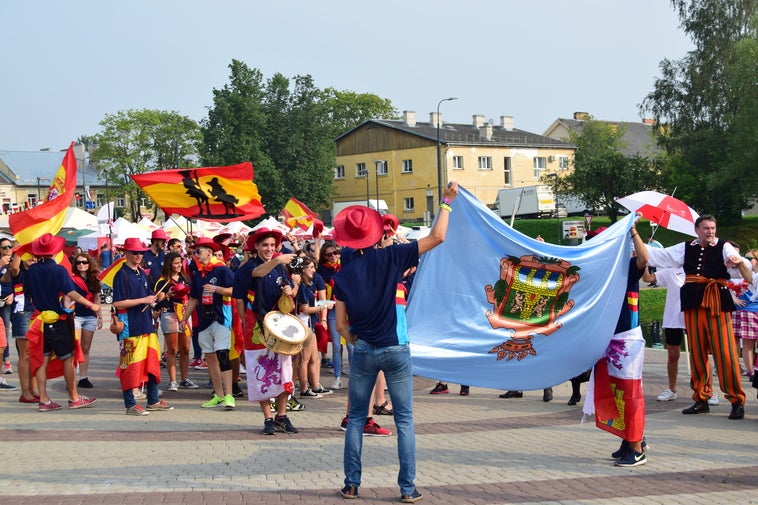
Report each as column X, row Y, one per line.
column 711, row 295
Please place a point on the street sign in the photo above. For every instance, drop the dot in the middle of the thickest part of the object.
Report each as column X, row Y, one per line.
column 90, row 205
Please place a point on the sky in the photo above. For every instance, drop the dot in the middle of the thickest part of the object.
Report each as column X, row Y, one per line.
column 66, row 65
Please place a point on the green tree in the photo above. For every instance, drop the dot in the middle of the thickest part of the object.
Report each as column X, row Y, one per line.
column 348, row 109
column 601, row 172
column 139, row 141
column 704, row 105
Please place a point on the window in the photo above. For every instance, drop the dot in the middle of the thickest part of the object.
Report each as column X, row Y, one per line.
column 408, row 204
column 32, row 199
column 120, row 202
column 563, row 162
column 408, row 168
column 381, row 168
column 360, row 170
column 540, row 163
column 485, row 162
column 457, row 162
column 339, row 172
column 100, row 199
column 507, row 171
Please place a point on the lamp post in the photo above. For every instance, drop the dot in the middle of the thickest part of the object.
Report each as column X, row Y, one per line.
column 365, row 174
column 39, row 189
column 439, row 147
column 377, row 164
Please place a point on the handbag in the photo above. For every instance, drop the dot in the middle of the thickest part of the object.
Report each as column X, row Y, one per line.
column 117, row 326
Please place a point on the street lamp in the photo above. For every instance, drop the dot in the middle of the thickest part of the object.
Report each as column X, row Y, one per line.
column 39, row 190
column 377, row 164
column 439, row 147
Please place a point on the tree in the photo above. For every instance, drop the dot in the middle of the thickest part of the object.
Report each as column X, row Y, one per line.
column 139, row 141
column 602, row 172
column 704, row 106
column 286, row 127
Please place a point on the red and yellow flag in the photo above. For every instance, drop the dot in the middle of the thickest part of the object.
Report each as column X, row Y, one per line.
column 221, row 194
column 296, row 213
column 107, row 275
column 48, row 217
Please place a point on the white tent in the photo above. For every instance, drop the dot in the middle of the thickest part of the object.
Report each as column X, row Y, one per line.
column 123, row 229
column 79, row 220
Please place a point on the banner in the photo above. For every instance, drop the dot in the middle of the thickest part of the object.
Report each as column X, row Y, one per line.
column 220, row 194
column 491, row 307
column 48, row 217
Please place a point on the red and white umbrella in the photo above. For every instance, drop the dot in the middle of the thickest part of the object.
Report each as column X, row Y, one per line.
column 665, row 210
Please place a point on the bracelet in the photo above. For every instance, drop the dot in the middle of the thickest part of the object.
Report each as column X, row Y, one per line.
column 635, row 234
column 446, row 201
column 446, row 207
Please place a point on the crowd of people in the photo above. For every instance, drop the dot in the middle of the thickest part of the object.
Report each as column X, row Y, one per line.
column 214, row 301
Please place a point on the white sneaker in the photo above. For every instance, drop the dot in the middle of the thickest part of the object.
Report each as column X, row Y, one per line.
column 173, row 386
column 713, row 400
column 667, row 396
column 337, row 384
column 138, row 394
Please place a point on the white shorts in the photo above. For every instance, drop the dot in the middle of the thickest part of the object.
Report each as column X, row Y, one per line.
column 215, row 337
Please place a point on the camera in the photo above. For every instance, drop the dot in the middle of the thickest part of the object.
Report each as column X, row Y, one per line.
column 296, row 265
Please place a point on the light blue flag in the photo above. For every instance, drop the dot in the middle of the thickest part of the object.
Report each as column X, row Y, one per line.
column 491, row 307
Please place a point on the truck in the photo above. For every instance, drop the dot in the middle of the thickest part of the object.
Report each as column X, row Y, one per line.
column 525, row 202
column 378, row 205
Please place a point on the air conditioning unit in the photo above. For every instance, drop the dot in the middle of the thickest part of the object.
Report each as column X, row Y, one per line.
column 551, row 158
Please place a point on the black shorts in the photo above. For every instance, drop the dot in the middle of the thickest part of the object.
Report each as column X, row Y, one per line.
column 674, row 336
column 58, row 339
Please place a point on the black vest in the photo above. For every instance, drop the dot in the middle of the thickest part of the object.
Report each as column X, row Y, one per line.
column 708, row 262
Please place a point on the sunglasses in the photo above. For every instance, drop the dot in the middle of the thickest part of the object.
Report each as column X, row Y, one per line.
column 80, row 262
column 749, row 257
column 136, row 253
column 333, row 253
column 6, row 247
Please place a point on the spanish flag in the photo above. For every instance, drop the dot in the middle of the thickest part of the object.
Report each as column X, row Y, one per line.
column 48, row 216
column 221, row 194
column 107, row 275
column 296, row 213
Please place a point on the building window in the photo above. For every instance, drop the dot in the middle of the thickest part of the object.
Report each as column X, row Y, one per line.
column 457, row 162
column 99, row 199
column 32, row 199
column 408, row 204
column 485, row 162
column 408, row 168
column 339, row 172
column 540, row 163
column 563, row 162
column 381, row 168
column 120, row 202
column 360, row 170
column 507, row 171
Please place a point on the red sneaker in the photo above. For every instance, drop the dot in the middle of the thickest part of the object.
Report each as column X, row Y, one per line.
column 372, row 429
column 21, row 399
column 49, row 406
column 81, row 403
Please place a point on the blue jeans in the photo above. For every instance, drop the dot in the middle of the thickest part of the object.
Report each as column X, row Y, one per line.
column 395, row 361
column 336, row 346
column 152, row 393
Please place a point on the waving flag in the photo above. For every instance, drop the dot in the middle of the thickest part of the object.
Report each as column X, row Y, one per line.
column 220, row 194
column 494, row 308
column 296, row 213
column 107, row 275
column 48, row 217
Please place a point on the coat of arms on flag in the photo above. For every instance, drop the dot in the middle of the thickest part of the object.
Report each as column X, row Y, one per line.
column 532, row 292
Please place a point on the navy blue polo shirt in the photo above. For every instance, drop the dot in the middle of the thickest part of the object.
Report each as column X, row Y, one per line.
column 45, row 281
column 367, row 284
column 222, row 277
column 131, row 284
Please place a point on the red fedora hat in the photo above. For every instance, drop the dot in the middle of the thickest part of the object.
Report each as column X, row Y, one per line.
column 47, row 245
column 358, row 227
column 133, row 244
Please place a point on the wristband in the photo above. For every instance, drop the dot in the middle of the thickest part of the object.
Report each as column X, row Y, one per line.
column 446, row 201
column 446, row 207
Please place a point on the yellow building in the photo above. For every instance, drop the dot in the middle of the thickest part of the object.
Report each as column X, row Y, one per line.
column 396, row 161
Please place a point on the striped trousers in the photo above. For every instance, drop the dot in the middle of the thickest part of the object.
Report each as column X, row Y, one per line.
column 710, row 333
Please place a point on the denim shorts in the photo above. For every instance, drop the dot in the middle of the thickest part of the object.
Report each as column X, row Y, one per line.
column 88, row 323
column 20, row 323
column 169, row 322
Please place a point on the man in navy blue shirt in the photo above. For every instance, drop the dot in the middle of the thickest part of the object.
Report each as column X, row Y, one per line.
column 365, row 289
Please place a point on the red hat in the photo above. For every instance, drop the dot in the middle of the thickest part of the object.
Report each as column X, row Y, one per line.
column 180, row 289
column 134, row 244
column 358, row 227
column 390, row 223
column 318, row 228
column 262, row 233
column 595, row 233
column 207, row 243
column 47, row 245
column 219, row 239
column 159, row 234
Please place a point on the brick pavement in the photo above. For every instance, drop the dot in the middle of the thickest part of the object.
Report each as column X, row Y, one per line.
column 471, row 450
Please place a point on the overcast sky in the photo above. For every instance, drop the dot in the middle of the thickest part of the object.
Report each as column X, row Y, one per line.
column 66, row 64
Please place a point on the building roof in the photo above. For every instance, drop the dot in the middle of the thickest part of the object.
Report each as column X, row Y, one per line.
column 468, row 134
column 639, row 137
column 28, row 165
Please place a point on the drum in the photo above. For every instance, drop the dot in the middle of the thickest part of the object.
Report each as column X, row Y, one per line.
column 283, row 333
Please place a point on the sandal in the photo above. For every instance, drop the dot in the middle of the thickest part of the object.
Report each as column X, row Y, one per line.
column 382, row 410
